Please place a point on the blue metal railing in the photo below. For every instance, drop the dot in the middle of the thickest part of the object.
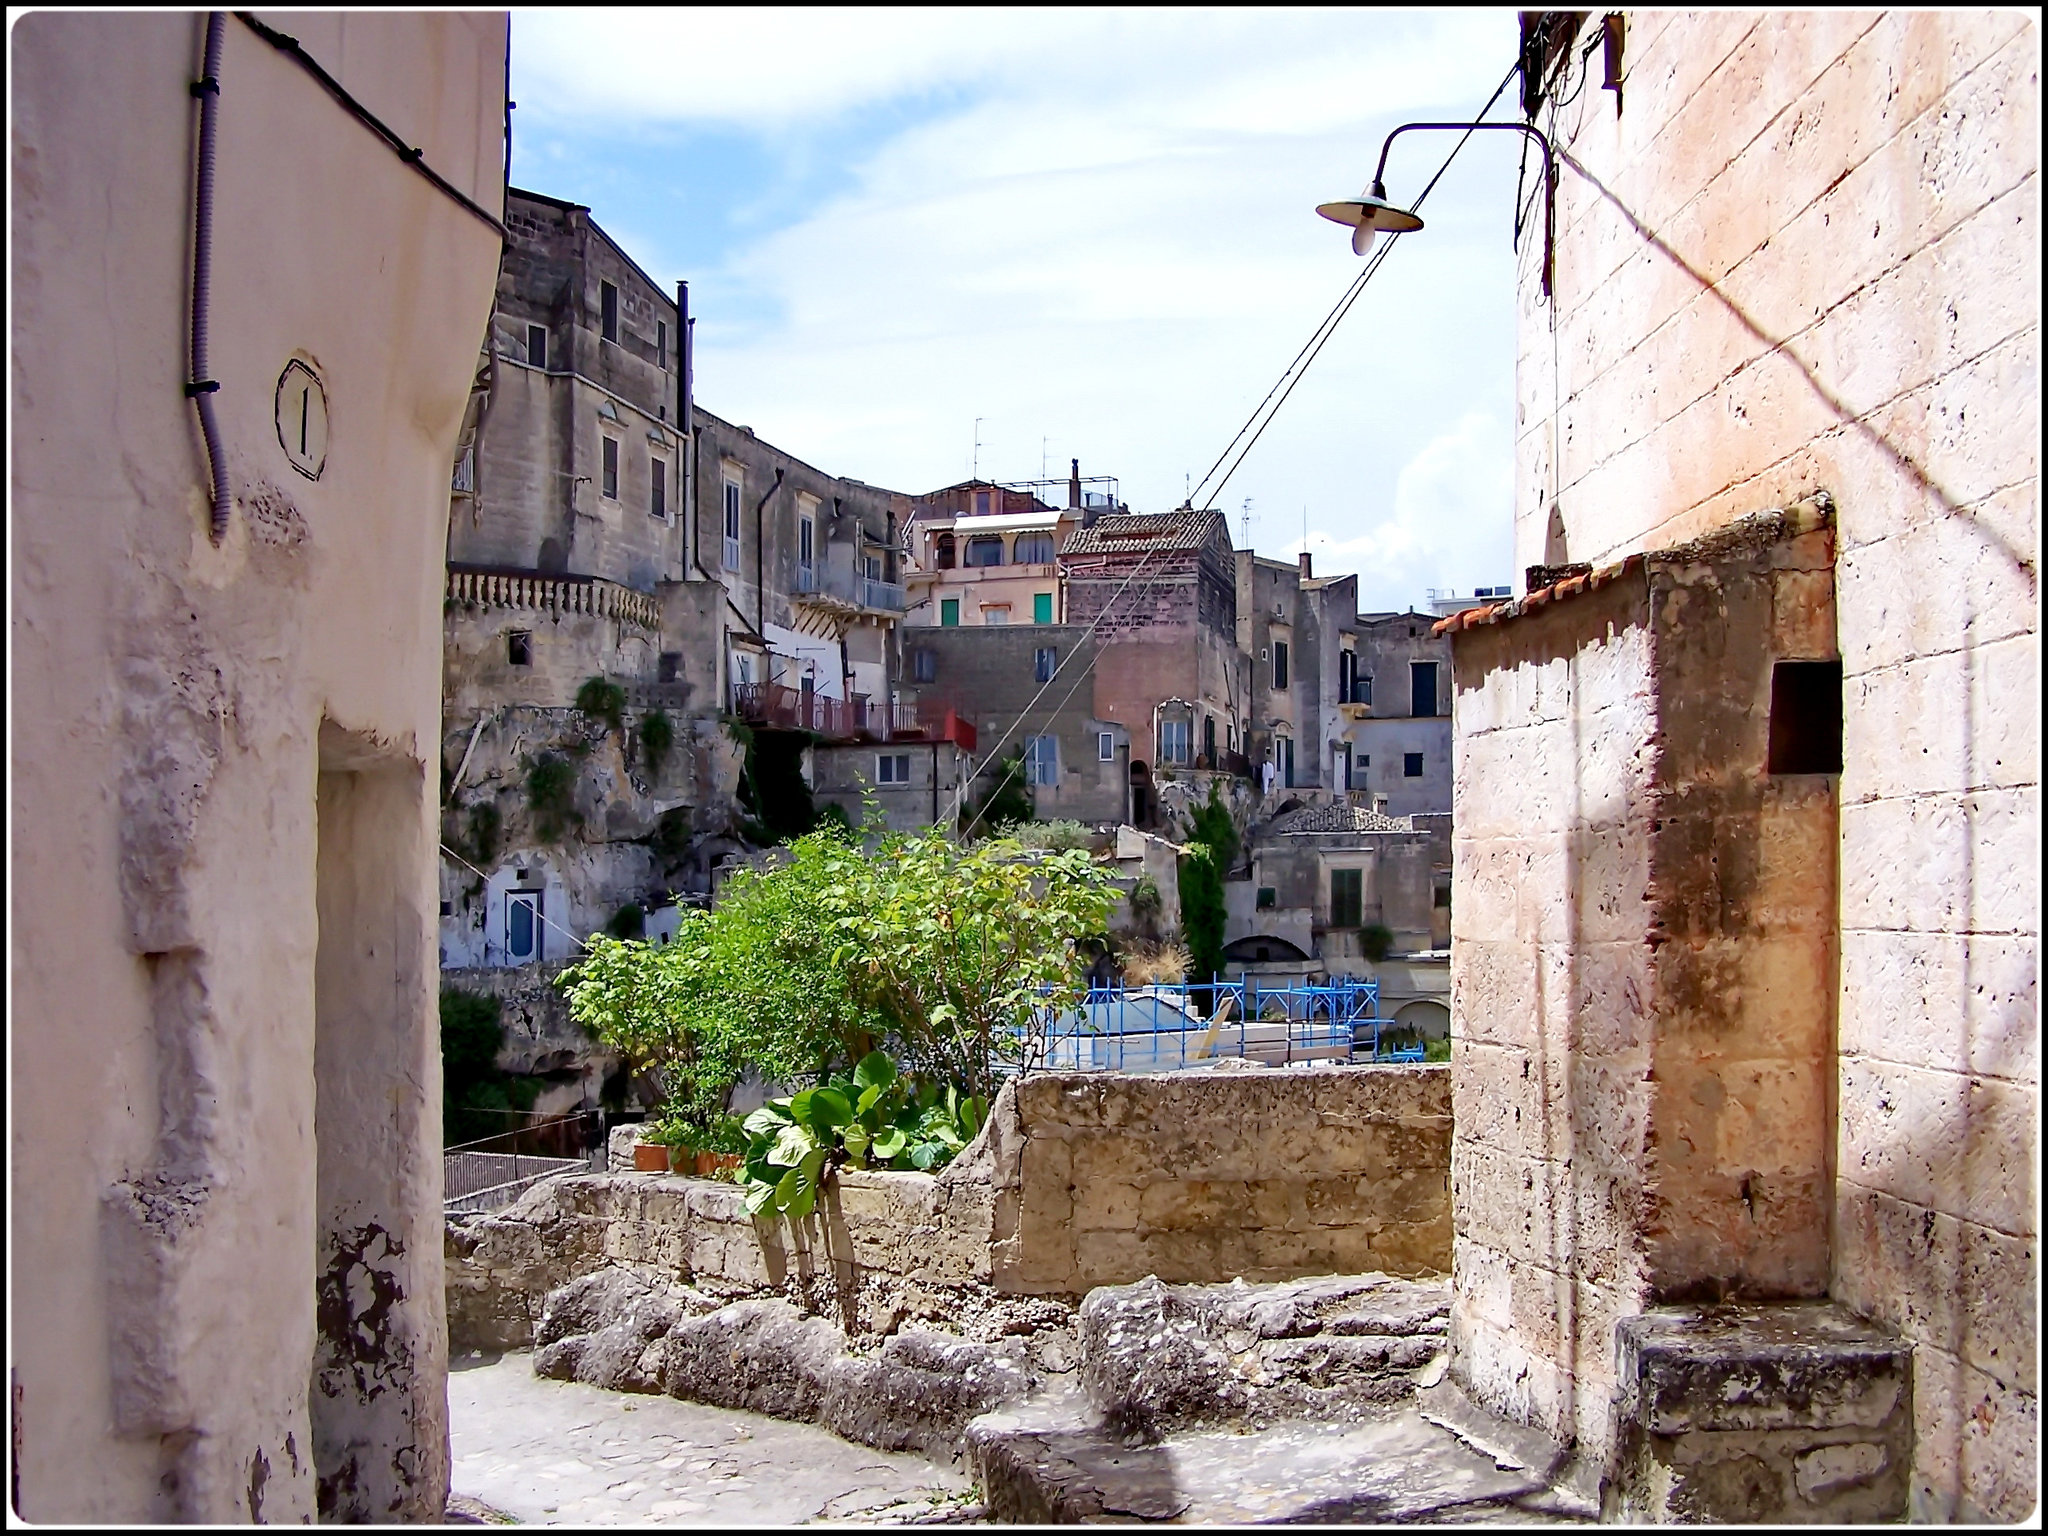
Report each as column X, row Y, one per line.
column 1173, row 1026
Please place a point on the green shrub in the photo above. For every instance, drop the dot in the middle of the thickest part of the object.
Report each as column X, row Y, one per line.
column 1006, row 802
column 602, row 699
column 550, row 786
column 1056, row 835
column 1376, row 942
column 657, row 735
column 1212, row 849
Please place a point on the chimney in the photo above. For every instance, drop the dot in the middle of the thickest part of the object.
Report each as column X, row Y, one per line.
column 1074, row 486
column 1307, row 571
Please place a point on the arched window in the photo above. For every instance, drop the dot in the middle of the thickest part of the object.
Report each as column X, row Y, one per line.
column 1034, row 549
column 985, row 549
column 945, row 551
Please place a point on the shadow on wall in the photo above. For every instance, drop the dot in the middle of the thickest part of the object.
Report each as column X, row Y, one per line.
column 2020, row 560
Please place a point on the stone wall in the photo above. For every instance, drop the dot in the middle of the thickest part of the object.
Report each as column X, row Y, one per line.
column 1079, row 1180
column 1801, row 251
column 1103, row 1179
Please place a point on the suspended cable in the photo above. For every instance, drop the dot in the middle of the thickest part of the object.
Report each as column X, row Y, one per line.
column 1307, row 356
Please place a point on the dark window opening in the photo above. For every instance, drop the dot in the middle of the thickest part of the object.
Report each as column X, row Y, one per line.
column 611, row 469
column 667, row 666
column 447, row 909
column 657, row 504
column 1347, row 897
column 1411, row 765
column 1279, row 666
column 1347, row 677
column 661, row 345
column 537, row 346
column 986, row 550
column 1268, row 898
column 1422, row 677
column 519, row 648
column 1046, row 664
column 608, row 309
column 1806, row 717
column 945, row 552
column 924, row 666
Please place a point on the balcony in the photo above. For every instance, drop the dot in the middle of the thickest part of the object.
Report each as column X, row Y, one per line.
column 856, row 719
column 818, row 588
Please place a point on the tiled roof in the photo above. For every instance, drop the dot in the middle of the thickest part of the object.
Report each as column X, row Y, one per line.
column 1341, row 818
column 1115, row 532
column 1805, row 516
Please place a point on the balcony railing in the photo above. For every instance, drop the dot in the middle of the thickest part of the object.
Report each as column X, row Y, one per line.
column 859, row 592
column 855, row 719
column 475, row 587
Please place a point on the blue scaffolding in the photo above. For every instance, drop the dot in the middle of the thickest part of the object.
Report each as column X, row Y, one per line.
column 1173, row 1026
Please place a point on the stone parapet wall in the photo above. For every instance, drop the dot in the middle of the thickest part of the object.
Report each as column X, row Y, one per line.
column 1079, row 1180
column 1104, row 1179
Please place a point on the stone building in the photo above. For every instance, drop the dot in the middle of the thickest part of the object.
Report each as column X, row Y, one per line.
column 985, row 554
column 225, row 1267
column 1392, row 704
column 1747, row 891
column 1160, row 591
column 1031, row 691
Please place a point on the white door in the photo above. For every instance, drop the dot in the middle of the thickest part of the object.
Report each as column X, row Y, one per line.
column 522, row 926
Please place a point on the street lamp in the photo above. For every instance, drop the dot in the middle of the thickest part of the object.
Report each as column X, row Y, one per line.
column 1369, row 213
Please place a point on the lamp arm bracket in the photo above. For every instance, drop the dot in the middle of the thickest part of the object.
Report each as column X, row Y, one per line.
column 1542, row 141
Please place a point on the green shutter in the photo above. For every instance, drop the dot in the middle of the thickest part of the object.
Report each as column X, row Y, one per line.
column 949, row 610
column 1041, row 608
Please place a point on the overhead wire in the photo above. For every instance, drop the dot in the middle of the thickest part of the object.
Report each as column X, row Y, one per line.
column 1304, row 359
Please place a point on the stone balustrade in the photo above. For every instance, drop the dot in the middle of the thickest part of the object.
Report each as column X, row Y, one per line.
column 553, row 594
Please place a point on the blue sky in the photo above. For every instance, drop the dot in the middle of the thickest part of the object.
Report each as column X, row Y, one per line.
column 1093, row 229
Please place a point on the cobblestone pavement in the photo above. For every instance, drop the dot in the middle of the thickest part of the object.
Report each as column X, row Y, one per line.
column 562, row 1453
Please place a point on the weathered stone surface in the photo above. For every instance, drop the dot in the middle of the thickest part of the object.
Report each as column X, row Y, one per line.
column 920, row 1392
column 1796, row 1413
column 760, row 1355
column 1157, row 1357
column 605, row 1328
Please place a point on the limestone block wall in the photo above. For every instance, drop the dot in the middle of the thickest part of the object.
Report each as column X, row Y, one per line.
column 1551, row 986
column 1079, row 1180
column 1802, row 250
column 1102, row 1179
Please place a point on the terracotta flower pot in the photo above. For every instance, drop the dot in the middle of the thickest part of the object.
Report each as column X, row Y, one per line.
column 712, row 1164
column 648, row 1157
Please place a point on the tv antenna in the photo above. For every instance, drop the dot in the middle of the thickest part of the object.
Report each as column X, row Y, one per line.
column 1244, row 523
column 975, row 472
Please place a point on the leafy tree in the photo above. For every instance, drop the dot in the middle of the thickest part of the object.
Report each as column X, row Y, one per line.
column 1006, row 802
column 1212, row 850
column 475, row 1095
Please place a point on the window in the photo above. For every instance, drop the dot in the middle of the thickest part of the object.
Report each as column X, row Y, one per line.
column 1411, row 765
column 608, row 310
column 668, row 666
column 1806, row 717
column 1344, row 765
column 1279, row 666
column 981, row 503
column 1422, row 676
column 1106, row 746
column 1347, row 677
column 985, row 549
column 1047, row 663
column 537, row 345
column 522, row 925
column 1209, row 740
column 1361, row 688
column 1268, row 898
column 805, row 535
column 1347, row 897
column 1042, row 760
column 1041, row 607
column 1174, row 740
column 945, row 554
column 892, row 768
column 657, row 501
column 1283, row 760
column 661, row 345
column 924, row 666
column 949, row 611
column 611, row 469
column 519, row 648
column 732, row 526
column 1000, row 614
column 1034, row 549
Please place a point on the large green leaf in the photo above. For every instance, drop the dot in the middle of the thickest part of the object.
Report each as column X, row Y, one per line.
column 890, row 1143
column 759, row 1197
column 827, row 1110
column 794, row 1145
column 876, row 1070
column 767, row 1119
column 798, row 1191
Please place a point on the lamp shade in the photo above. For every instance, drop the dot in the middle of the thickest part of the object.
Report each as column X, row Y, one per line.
column 1368, row 214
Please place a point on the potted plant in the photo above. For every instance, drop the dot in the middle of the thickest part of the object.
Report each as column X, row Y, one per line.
column 720, row 1147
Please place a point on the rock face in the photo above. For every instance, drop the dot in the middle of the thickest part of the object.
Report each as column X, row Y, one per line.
column 1159, row 1357
column 620, row 1330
